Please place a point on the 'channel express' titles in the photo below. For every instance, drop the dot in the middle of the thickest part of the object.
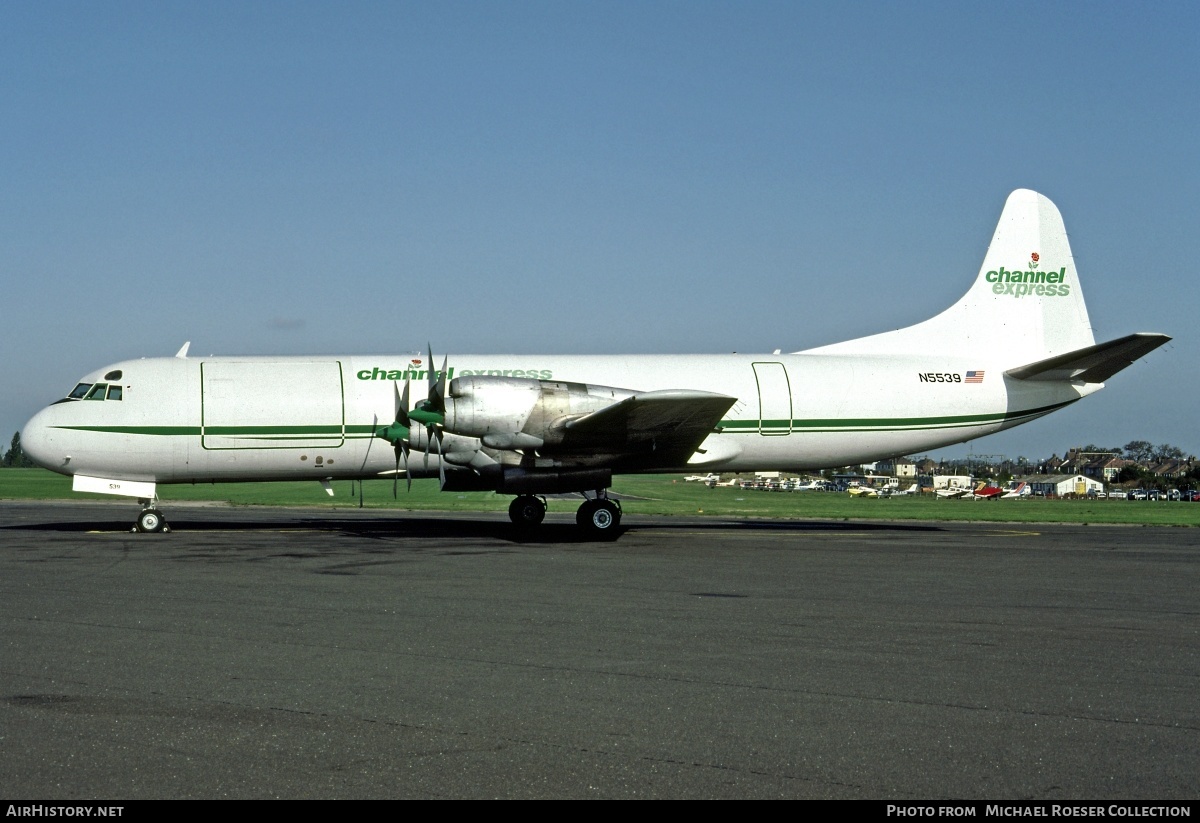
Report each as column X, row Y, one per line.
column 1022, row 283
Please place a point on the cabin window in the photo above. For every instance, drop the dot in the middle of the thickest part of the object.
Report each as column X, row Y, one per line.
column 79, row 391
column 114, row 392
column 115, row 374
column 97, row 392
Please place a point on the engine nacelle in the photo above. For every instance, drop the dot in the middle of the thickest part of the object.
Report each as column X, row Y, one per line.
column 481, row 405
column 520, row 413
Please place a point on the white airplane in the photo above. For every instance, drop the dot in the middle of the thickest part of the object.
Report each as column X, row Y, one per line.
column 810, row 486
column 531, row 425
column 1016, row 490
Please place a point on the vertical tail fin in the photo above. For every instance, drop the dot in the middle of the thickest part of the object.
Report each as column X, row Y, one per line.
column 1026, row 301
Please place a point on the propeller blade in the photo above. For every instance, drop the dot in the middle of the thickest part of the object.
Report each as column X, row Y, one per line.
column 440, row 388
column 429, row 374
column 402, row 402
column 367, row 453
column 441, row 464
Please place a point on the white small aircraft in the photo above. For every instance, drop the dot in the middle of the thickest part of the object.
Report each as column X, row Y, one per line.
column 534, row 425
column 952, row 492
column 812, row 485
column 1016, row 490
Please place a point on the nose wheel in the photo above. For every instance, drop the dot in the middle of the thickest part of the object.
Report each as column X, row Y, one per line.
column 151, row 521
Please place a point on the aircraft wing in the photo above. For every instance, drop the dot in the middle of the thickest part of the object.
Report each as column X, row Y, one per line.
column 669, row 425
column 1093, row 364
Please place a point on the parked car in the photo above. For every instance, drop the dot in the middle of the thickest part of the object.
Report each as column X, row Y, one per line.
column 1118, row 494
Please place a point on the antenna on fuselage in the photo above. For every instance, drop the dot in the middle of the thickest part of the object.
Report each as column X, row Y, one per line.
column 182, row 353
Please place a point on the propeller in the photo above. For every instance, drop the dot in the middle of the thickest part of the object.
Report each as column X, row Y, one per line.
column 397, row 434
column 432, row 413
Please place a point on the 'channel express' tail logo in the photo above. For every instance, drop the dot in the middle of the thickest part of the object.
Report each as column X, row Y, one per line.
column 1045, row 283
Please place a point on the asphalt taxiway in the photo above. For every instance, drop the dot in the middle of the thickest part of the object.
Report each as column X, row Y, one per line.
column 260, row 652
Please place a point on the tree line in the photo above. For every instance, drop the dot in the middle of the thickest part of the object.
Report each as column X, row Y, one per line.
column 15, row 457
column 1142, row 451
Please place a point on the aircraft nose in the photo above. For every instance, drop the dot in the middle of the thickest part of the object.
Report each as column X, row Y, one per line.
column 37, row 443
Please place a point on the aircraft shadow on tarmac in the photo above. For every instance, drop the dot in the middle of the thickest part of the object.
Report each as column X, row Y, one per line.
column 385, row 528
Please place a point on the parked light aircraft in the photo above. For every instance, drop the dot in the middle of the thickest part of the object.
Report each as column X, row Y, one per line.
column 530, row 426
column 812, row 485
column 1016, row 490
column 987, row 491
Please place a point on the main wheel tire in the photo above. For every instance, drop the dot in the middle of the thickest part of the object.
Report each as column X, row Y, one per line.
column 151, row 521
column 599, row 518
column 584, row 513
column 527, row 511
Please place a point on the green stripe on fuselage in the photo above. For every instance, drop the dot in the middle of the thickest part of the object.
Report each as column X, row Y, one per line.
column 732, row 426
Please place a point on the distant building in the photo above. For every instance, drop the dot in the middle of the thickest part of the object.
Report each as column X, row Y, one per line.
column 1171, row 469
column 1106, row 468
column 1061, row 485
column 898, row 467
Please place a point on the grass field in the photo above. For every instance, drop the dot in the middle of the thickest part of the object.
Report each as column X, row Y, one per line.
column 648, row 494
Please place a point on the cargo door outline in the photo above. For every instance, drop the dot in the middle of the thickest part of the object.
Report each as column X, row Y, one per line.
column 272, row 405
column 774, row 399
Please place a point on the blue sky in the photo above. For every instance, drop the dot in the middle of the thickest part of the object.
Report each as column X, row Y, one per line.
column 265, row 178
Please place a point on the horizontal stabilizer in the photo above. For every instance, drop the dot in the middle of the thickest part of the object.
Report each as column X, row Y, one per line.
column 1093, row 364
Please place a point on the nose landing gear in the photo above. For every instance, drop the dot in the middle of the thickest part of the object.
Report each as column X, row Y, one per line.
column 151, row 520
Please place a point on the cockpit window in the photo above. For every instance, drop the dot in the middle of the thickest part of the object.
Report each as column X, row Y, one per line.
column 115, row 374
column 96, row 391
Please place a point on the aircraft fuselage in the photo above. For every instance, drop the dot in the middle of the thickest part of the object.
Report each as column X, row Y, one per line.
column 202, row 419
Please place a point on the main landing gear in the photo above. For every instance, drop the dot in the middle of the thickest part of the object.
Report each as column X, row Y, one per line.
column 599, row 517
column 527, row 510
column 151, row 520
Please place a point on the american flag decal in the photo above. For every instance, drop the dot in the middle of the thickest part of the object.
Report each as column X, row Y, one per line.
column 974, row 377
